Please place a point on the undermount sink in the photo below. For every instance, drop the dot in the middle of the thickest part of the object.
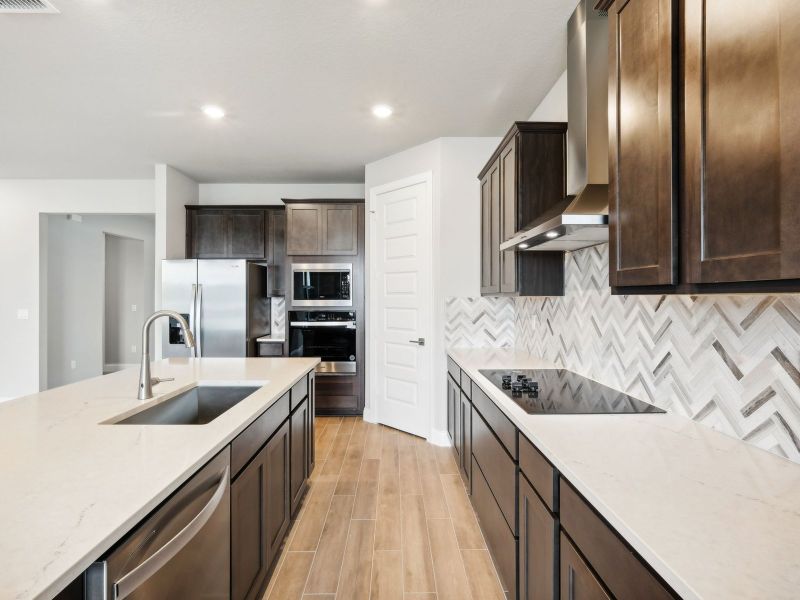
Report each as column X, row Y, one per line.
column 196, row 406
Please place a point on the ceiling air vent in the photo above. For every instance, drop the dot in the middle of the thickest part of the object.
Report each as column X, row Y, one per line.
column 27, row 6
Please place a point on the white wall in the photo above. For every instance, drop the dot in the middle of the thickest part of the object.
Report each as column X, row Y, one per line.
column 553, row 106
column 272, row 193
column 129, row 271
column 22, row 202
column 76, row 291
column 454, row 164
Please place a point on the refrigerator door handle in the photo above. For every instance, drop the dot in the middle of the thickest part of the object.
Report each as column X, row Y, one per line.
column 199, row 319
column 192, row 320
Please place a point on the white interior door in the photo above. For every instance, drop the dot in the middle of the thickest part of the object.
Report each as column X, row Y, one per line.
column 401, row 267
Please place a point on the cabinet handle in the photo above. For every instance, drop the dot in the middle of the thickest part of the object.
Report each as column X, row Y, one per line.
column 571, row 584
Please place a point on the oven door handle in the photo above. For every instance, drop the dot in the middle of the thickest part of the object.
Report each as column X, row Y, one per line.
column 340, row 324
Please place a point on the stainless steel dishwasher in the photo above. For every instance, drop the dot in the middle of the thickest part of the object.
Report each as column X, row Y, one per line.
column 182, row 550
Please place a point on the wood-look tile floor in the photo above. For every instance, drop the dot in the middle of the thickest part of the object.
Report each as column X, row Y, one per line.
column 386, row 517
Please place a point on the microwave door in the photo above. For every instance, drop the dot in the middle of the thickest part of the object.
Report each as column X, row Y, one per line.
column 178, row 293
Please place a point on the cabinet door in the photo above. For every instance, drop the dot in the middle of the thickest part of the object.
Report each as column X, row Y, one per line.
column 340, row 229
column 303, row 229
column 209, row 233
column 458, row 425
column 277, row 514
column 490, row 230
column 642, row 191
column 246, row 234
column 465, row 417
column 249, row 556
column 276, row 252
column 298, row 470
column 312, row 408
column 742, row 140
column 451, row 409
column 537, row 542
column 577, row 580
column 508, row 215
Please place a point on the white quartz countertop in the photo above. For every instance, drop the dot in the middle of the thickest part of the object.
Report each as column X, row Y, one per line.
column 72, row 486
column 272, row 338
column 714, row 516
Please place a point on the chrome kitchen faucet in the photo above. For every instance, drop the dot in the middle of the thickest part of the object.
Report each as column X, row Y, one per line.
column 146, row 382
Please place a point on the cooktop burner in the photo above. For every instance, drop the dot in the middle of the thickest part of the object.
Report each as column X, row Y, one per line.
column 561, row 392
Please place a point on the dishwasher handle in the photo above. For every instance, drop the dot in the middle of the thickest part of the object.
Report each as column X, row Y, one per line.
column 128, row 583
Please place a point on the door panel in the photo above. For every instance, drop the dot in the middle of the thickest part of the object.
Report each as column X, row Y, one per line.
column 401, row 275
column 577, row 580
column 538, row 533
column 277, row 511
column 222, row 313
column 642, row 193
column 303, row 229
column 209, row 233
column 742, row 127
column 248, row 535
column 246, row 234
column 340, row 230
column 508, row 215
column 298, row 469
column 490, row 228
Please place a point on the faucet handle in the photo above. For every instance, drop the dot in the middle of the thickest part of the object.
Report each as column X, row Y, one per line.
column 157, row 380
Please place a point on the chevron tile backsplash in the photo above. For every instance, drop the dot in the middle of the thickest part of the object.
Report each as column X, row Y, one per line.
column 731, row 362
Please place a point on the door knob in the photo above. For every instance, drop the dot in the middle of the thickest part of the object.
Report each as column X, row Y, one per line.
column 419, row 342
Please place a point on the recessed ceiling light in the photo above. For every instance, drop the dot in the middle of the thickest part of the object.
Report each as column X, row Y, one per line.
column 382, row 111
column 552, row 234
column 213, row 112
column 524, row 246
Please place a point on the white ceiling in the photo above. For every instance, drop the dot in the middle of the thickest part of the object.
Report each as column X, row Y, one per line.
column 108, row 88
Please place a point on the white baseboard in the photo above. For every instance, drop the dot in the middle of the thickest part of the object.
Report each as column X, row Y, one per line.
column 369, row 415
column 439, row 437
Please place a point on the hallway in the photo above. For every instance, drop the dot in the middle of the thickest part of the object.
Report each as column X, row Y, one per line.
column 387, row 518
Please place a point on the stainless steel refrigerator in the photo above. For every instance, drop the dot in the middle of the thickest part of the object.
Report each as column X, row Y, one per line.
column 225, row 301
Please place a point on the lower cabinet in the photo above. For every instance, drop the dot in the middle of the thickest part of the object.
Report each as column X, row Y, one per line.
column 465, row 430
column 260, row 515
column 577, row 580
column 538, row 543
column 299, row 460
column 452, row 395
column 312, row 410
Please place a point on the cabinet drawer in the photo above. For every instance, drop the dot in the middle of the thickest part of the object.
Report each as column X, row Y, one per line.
column 618, row 566
column 299, row 391
column 453, row 369
column 501, row 540
column 497, row 466
column 466, row 384
column 270, row 349
column 539, row 472
column 247, row 443
column 501, row 425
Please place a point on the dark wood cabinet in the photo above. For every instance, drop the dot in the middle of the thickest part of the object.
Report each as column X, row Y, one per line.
column 225, row 233
column 742, row 140
column 490, row 230
column 298, row 472
column 465, row 427
column 275, row 244
column 538, row 543
column 704, row 139
column 277, row 514
column 209, row 233
column 642, row 169
column 577, row 580
column 452, row 395
column 325, row 229
column 312, row 411
column 524, row 178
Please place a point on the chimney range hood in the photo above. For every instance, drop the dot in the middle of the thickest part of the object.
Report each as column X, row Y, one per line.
column 581, row 219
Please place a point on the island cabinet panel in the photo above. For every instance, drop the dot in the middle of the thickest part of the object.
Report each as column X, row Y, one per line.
column 248, row 533
column 247, row 443
column 277, row 515
column 642, row 191
column 312, row 411
column 577, row 580
column 299, row 456
column 619, row 568
column 538, row 541
column 742, row 140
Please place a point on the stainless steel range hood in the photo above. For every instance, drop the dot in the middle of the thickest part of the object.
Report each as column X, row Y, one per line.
column 581, row 219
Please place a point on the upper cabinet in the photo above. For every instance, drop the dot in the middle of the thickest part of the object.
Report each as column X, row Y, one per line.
column 324, row 229
column 225, row 233
column 524, row 177
column 704, row 138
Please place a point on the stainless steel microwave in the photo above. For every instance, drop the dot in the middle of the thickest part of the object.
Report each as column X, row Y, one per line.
column 322, row 284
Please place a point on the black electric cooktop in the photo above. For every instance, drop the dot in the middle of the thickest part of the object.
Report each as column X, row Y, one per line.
column 561, row 392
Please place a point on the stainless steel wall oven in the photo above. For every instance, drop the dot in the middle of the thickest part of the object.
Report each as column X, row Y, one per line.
column 330, row 335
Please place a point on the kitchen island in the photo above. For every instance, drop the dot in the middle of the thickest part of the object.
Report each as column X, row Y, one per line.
column 709, row 516
column 73, row 484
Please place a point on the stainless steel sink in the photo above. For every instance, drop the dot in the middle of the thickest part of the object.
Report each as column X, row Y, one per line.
column 197, row 406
